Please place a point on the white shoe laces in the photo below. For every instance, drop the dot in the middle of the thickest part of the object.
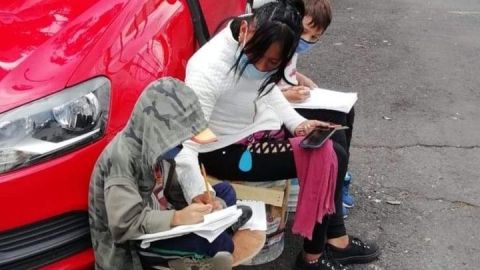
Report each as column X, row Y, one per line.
column 332, row 265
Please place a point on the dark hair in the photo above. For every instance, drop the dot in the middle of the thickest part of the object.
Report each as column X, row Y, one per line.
column 320, row 11
column 274, row 22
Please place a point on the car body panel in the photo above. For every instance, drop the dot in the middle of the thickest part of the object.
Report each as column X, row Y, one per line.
column 47, row 189
column 217, row 13
column 79, row 261
column 137, row 50
column 31, row 72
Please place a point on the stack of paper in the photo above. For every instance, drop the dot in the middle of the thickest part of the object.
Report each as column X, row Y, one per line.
column 212, row 226
column 328, row 100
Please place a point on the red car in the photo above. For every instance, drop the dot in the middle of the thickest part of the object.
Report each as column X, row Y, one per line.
column 70, row 73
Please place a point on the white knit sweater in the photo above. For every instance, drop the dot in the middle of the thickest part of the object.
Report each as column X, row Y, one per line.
column 230, row 105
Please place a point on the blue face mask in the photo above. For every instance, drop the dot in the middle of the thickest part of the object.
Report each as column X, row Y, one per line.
column 251, row 72
column 304, row 46
column 172, row 153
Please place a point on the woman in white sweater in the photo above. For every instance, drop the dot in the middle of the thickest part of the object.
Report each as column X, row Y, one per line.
column 234, row 77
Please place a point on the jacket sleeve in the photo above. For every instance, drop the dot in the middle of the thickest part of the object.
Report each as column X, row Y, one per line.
column 188, row 173
column 128, row 216
column 287, row 114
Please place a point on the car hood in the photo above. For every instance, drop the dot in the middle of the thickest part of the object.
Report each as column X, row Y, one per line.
column 44, row 41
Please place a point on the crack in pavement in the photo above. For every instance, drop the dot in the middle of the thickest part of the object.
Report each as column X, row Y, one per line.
column 366, row 146
column 453, row 201
column 413, row 194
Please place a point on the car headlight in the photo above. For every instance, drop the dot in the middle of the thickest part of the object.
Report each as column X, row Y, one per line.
column 54, row 124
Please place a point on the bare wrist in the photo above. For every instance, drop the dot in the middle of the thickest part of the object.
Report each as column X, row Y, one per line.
column 175, row 219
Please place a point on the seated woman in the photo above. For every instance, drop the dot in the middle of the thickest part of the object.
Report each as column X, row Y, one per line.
column 121, row 205
column 233, row 76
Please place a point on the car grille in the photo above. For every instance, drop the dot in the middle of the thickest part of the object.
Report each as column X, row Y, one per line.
column 44, row 242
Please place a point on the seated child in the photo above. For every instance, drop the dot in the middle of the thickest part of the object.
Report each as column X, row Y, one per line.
column 297, row 87
column 121, row 205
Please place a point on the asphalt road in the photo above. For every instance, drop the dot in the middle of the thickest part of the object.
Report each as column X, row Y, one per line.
column 416, row 67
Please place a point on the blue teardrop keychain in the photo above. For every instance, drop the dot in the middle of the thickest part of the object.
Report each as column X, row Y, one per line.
column 245, row 163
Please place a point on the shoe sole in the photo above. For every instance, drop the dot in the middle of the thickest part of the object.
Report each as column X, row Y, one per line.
column 221, row 261
column 359, row 259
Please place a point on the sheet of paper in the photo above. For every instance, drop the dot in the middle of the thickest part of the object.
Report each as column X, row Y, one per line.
column 219, row 215
column 218, row 227
column 329, row 100
column 258, row 221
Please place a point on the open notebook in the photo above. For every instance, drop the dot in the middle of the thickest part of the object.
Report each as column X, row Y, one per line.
column 328, row 100
column 214, row 224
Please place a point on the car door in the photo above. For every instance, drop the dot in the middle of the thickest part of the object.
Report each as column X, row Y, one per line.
column 209, row 16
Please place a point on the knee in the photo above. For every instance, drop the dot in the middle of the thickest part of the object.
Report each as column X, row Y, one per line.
column 223, row 242
column 226, row 192
column 351, row 115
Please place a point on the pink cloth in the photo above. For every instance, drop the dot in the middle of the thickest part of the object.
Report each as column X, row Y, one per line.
column 317, row 173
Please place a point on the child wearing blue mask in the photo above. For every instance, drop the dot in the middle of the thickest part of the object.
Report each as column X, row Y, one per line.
column 296, row 87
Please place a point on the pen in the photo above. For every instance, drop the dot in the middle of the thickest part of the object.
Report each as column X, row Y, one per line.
column 209, row 198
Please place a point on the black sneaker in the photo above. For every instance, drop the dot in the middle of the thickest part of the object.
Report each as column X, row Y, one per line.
column 325, row 262
column 244, row 218
column 356, row 252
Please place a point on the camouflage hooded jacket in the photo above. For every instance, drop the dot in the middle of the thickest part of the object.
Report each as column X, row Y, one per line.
column 120, row 202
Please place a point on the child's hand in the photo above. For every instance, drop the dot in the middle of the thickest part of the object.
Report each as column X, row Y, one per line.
column 309, row 83
column 204, row 198
column 217, row 204
column 297, row 94
column 191, row 214
column 305, row 81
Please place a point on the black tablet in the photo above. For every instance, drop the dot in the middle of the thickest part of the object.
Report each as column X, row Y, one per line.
column 318, row 136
